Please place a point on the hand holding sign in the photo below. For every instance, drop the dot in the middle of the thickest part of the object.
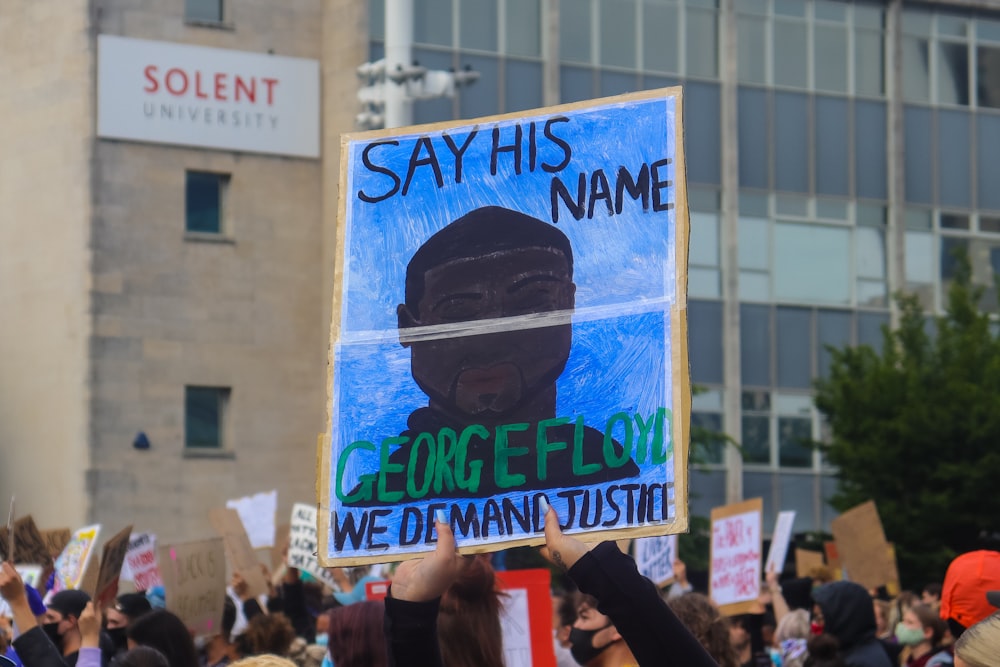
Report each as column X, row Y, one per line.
column 11, row 586
column 562, row 550
column 90, row 626
column 428, row 578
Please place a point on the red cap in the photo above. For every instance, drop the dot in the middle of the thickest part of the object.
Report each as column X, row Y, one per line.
column 969, row 577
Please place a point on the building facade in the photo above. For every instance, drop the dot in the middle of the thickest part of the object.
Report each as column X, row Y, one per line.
column 167, row 305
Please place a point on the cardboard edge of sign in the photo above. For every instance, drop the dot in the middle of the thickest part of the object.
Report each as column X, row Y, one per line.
column 678, row 334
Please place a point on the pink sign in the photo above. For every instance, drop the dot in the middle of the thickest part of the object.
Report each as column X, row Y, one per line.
column 736, row 555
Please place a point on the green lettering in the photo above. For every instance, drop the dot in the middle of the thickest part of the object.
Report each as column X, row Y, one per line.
column 502, row 455
column 663, row 418
column 581, row 469
column 610, row 457
column 446, row 452
column 543, row 446
column 470, row 482
column 385, row 469
column 364, row 491
column 642, row 442
column 411, row 470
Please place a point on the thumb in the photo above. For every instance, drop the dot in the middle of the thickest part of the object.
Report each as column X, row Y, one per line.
column 553, row 531
column 446, row 537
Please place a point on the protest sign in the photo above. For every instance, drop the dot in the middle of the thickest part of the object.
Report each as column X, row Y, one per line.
column 56, row 540
column 75, row 565
column 194, row 582
column 112, row 557
column 782, row 536
column 862, row 547
column 376, row 590
column 526, row 618
column 141, row 566
column 30, row 574
column 31, row 547
column 228, row 525
column 735, row 568
column 655, row 556
column 520, row 332
column 807, row 562
column 302, row 544
column 833, row 560
column 257, row 514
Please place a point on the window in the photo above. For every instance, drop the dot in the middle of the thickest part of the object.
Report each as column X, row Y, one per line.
column 704, row 279
column 204, row 11
column 204, row 198
column 205, row 416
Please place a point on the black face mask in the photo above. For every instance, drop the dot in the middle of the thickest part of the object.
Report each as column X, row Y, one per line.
column 119, row 636
column 582, row 644
column 52, row 631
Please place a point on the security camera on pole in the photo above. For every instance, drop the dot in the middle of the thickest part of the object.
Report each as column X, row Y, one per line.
column 394, row 82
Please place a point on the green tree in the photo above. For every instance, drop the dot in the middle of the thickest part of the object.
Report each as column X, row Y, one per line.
column 917, row 429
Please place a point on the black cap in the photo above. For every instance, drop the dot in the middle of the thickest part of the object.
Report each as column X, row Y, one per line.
column 993, row 597
column 133, row 605
column 69, row 603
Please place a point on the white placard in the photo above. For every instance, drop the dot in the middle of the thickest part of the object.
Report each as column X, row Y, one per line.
column 257, row 514
column 168, row 93
column 779, row 542
column 515, row 628
column 31, row 575
column 655, row 556
column 736, row 557
column 140, row 565
column 302, row 544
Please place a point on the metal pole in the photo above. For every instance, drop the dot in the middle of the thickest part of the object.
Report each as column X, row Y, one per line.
column 398, row 55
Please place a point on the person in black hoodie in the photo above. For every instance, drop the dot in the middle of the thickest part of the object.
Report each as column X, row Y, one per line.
column 846, row 612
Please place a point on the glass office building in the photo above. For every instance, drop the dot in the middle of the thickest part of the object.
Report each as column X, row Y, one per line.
column 837, row 152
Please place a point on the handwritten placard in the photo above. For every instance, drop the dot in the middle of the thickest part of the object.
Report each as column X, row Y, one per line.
column 112, row 557
column 864, row 552
column 194, row 581
column 655, row 556
column 76, row 560
column 240, row 553
column 735, row 569
column 782, row 537
column 302, row 544
column 141, row 566
column 257, row 513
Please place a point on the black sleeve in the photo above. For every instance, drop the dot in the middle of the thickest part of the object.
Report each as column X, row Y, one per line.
column 251, row 608
column 295, row 608
column 36, row 650
column 411, row 633
column 654, row 634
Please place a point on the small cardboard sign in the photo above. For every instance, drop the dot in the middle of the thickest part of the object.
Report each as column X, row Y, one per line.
column 736, row 556
column 655, row 556
column 806, row 562
column 30, row 545
column 778, row 552
column 141, row 566
column 526, row 618
column 257, row 514
column 240, row 553
column 56, row 540
column 194, row 581
column 302, row 544
column 112, row 557
column 833, row 560
column 76, row 566
column 864, row 551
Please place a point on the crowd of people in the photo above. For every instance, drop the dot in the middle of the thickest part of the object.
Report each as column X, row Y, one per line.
column 445, row 610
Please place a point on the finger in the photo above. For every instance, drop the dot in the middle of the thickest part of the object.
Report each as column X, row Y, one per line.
column 553, row 532
column 446, row 538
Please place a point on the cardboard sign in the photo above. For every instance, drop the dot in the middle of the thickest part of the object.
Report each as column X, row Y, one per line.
column 864, row 551
column 31, row 547
column 56, row 540
column 519, row 333
column 112, row 557
column 257, row 514
column 302, row 544
column 778, row 552
column 735, row 568
column 806, row 562
column 282, row 535
column 194, row 581
column 655, row 556
column 228, row 525
column 833, row 560
column 76, row 564
column 526, row 618
column 141, row 566
column 31, row 575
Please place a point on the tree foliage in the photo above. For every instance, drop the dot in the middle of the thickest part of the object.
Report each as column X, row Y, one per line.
column 916, row 428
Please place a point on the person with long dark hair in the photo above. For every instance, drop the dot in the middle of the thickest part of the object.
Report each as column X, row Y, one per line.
column 355, row 635
column 167, row 634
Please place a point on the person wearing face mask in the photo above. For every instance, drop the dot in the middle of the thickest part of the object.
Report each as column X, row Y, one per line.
column 920, row 634
column 32, row 645
column 62, row 623
column 126, row 609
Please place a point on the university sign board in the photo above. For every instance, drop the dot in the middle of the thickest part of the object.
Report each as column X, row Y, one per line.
column 166, row 93
column 509, row 325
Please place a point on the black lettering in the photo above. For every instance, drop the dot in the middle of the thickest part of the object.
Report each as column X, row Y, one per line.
column 373, row 531
column 417, row 161
column 464, row 523
column 635, row 188
column 576, row 208
column 458, row 152
column 352, row 529
column 492, row 514
column 511, row 514
column 561, row 143
column 366, row 160
column 570, row 497
column 610, row 497
column 599, row 189
column 532, row 147
column 630, row 489
column 418, row 529
column 658, row 204
column 431, row 512
column 514, row 148
column 585, row 510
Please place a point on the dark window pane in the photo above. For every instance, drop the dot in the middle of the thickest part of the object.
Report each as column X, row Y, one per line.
column 756, row 439
column 988, row 76
column 761, row 485
column 950, row 247
column 798, row 493
column 752, row 65
column 203, row 10
column 478, row 24
column 794, row 435
column 376, row 51
column 954, row 221
column 834, row 331
column 708, row 491
column 917, row 128
column 791, row 60
column 794, row 348
column 702, row 117
column 711, row 434
column 870, row 329
column 916, row 69
column 432, row 22
column 441, row 108
column 376, row 19
column 870, row 149
column 755, row 345
column 953, row 74
column 659, row 38
column 832, row 142
column 954, row 141
column 702, row 44
column 524, row 85
column 203, row 202
column 869, row 68
column 791, row 126
column 705, row 341
column 618, row 27
column 616, row 83
column 988, row 134
column 481, row 98
column 574, row 34
column 576, row 84
column 524, row 27
column 831, row 57
column 755, row 400
column 203, row 411
column 753, row 137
